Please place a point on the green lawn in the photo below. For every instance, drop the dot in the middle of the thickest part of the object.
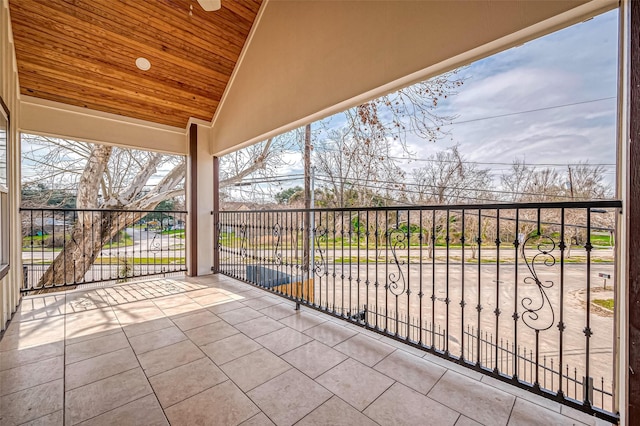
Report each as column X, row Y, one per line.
column 178, row 233
column 605, row 303
column 124, row 241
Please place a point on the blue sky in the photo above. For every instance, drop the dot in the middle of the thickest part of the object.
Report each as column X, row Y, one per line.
column 576, row 65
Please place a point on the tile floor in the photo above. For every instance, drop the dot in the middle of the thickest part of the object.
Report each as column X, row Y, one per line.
column 215, row 351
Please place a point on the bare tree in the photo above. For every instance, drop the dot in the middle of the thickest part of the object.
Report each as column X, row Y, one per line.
column 111, row 178
column 516, row 181
column 448, row 179
column 351, row 168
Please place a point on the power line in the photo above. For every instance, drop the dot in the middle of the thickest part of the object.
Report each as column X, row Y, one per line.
column 533, row 110
column 489, row 163
column 327, row 179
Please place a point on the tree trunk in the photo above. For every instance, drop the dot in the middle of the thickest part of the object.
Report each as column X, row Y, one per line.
column 90, row 233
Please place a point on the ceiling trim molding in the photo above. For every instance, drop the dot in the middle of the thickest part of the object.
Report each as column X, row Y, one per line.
column 54, row 119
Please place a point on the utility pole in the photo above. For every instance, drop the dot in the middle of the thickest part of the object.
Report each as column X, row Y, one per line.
column 570, row 181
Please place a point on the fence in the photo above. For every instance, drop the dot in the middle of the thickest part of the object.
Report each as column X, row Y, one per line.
column 69, row 247
column 443, row 278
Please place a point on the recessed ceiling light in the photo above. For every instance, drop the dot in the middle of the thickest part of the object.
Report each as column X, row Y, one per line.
column 143, row 64
column 209, row 5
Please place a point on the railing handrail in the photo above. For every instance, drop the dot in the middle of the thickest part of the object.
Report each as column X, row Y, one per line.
column 493, row 206
column 56, row 209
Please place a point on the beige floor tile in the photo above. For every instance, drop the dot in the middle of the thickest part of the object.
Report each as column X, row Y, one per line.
column 90, row 325
column 137, row 316
column 187, row 309
column 466, row 421
column 289, row 397
column 259, row 419
column 100, row 367
column 195, row 319
column 251, row 293
column 134, row 306
column 403, row 346
column 283, row 340
column 94, row 347
column 279, row 311
column 97, row 334
column 365, row 350
column 30, row 404
column 330, row 333
column 522, row 393
column 302, row 321
column 18, row 357
column 142, row 412
column 99, row 397
column 355, row 383
column 582, row 417
column 417, row 373
column 336, row 412
column 314, row 358
column 156, row 339
column 254, row 369
column 361, row 330
column 169, row 357
column 528, row 413
column 26, row 376
column 207, row 291
column 226, row 307
column 465, row 371
column 400, row 405
column 476, row 400
column 185, row 381
column 263, row 302
column 173, row 300
column 221, row 405
column 143, row 327
column 20, row 335
column 259, row 327
column 211, row 333
column 85, row 301
column 40, row 307
column 228, row 349
column 212, row 299
column 127, row 295
column 240, row 315
column 53, row 419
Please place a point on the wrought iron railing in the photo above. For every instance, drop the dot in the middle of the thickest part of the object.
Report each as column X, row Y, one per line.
column 476, row 284
column 70, row 247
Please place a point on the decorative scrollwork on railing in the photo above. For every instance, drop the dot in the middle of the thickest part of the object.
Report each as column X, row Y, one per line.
column 243, row 241
column 276, row 231
column 320, row 268
column 156, row 244
column 533, row 310
column 397, row 240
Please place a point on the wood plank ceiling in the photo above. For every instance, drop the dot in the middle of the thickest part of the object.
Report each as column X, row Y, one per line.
column 83, row 52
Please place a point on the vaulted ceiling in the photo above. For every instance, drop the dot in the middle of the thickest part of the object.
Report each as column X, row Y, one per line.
column 83, row 53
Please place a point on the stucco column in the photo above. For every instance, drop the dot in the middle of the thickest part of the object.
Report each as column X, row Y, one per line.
column 200, row 168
